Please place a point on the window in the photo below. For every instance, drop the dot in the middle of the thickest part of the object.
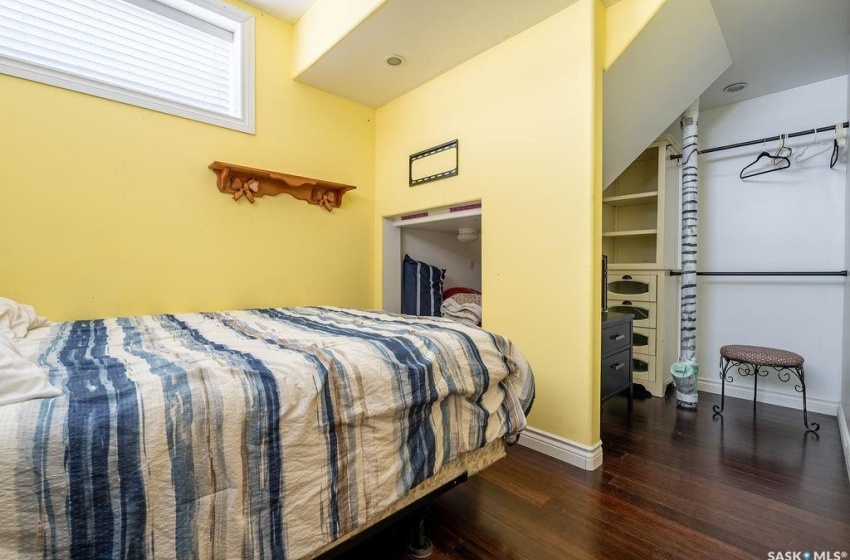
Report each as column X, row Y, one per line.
column 191, row 58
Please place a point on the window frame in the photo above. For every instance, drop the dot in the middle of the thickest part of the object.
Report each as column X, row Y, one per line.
column 242, row 25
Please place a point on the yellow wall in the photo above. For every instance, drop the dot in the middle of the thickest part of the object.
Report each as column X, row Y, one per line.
column 116, row 213
column 527, row 116
column 109, row 209
column 600, row 53
column 624, row 21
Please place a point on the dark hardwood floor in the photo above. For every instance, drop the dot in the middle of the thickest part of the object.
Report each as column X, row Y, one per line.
column 674, row 484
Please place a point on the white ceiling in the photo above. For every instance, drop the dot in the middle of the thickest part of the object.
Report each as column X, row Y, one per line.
column 433, row 36
column 648, row 87
column 779, row 44
column 290, row 10
column 774, row 44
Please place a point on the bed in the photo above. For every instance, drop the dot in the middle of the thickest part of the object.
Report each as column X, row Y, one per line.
column 268, row 433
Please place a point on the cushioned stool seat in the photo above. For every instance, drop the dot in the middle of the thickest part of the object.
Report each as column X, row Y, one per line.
column 759, row 361
column 761, row 355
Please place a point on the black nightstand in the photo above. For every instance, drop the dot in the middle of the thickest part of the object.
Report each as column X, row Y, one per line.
column 616, row 355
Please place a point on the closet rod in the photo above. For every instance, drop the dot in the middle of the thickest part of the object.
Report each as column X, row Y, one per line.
column 763, row 140
column 795, row 273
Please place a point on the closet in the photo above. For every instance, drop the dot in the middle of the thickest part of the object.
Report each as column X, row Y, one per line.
column 640, row 233
column 446, row 237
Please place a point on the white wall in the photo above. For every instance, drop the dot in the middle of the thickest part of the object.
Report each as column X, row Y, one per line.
column 844, row 419
column 788, row 220
column 461, row 261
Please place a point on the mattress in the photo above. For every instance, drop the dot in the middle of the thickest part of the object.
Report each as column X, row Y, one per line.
column 269, row 433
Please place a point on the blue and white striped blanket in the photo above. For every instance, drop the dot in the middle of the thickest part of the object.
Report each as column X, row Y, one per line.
column 244, row 434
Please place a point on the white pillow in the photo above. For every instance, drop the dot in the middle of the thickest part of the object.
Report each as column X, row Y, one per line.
column 16, row 318
column 20, row 379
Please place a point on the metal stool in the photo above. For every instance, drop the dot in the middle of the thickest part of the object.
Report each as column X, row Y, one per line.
column 754, row 360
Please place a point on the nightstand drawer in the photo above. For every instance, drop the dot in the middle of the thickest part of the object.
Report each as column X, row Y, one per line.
column 615, row 372
column 634, row 287
column 616, row 337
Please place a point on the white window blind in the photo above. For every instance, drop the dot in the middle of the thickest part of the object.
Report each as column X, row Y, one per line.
column 189, row 58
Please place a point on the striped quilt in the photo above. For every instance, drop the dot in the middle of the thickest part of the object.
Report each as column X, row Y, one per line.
column 246, row 434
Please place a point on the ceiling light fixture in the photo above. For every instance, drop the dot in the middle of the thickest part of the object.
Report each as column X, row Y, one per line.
column 467, row 235
column 732, row 88
column 394, row 60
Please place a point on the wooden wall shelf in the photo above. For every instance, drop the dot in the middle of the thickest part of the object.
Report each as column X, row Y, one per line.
column 251, row 183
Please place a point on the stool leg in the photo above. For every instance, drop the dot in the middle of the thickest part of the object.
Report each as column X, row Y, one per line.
column 814, row 426
column 755, row 388
column 723, row 369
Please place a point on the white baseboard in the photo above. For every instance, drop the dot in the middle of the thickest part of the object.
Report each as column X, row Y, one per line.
column 844, row 429
column 789, row 400
column 582, row 456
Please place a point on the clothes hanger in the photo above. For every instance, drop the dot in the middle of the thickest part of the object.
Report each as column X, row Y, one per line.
column 837, row 144
column 817, row 149
column 783, row 151
column 782, row 162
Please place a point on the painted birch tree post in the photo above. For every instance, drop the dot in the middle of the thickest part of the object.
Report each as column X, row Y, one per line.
column 686, row 370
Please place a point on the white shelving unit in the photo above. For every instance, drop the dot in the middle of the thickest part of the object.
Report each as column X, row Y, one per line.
column 640, row 233
column 631, row 233
column 631, row 199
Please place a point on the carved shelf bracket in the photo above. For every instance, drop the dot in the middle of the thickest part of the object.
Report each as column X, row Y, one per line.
column 251, row 183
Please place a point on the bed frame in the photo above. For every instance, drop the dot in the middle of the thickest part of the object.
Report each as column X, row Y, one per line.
column 420, row 545
column 414, row 506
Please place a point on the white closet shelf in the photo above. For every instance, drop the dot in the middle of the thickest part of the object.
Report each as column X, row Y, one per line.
column 630, row 233
column 632, row 199
column 637, row 266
